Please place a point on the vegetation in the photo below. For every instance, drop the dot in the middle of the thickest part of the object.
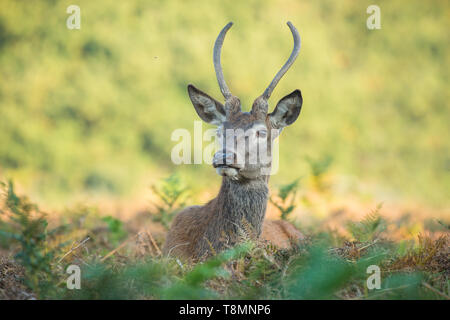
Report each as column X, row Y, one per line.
column 369, row 228
column 251, row 270
column 172, row 197
column 91, row 111
column 285, row 200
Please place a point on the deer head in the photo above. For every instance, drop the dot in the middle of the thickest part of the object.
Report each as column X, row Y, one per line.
column 246, row 137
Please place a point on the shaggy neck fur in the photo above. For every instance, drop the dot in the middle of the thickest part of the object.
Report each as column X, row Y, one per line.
column 239, row 206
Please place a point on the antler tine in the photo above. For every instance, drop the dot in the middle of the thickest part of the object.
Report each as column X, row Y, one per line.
column 217, row 65
column 287, row 65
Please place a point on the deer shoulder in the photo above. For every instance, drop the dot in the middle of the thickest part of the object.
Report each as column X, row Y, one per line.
column 187, row 228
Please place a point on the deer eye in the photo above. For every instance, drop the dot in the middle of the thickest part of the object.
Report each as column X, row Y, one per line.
column 261, row 133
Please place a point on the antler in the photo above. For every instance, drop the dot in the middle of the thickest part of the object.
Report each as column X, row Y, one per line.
column 217, row 65
column 287, row 65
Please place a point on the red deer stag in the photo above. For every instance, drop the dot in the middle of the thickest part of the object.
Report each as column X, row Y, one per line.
column 199, row 231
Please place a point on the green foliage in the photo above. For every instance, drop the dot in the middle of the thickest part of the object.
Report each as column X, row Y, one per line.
column 92, row 110
column 28, row 228
column 115, row 227
column 402, row 286
column 314, row 269
column 156, row 278
column 172, row 197
column 319, row 166
column 285, row 199
column 445, row 225
column 315, row 279
column 192, row 284
column 318, row 169
column 369, row 228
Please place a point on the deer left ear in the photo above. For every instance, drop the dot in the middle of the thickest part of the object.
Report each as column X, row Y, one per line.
column 287, row 110
column 209, row 109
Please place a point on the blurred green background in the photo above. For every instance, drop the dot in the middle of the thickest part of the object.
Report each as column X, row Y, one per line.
column 91, row 111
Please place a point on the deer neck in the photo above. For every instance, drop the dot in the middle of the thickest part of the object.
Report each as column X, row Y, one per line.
column 239, row 206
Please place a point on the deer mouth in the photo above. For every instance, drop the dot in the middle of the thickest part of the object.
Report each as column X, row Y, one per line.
column 223, row 165
column 227, row 171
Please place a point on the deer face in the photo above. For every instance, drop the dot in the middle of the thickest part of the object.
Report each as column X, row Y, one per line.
column 246, row 137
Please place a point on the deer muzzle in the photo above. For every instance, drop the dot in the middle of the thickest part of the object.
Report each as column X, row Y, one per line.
column 226, row 159
column 226, row 163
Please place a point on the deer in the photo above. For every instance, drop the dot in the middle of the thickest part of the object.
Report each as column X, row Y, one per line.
column 201, row 231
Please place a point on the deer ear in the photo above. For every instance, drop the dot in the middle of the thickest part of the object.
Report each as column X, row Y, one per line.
column 287, row 110
column 209, row 109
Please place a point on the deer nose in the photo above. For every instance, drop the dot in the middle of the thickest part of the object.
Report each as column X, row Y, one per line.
column 225, row 159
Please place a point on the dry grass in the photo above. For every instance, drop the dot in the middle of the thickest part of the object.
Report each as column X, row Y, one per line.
column 11, row 283
column 122, row 254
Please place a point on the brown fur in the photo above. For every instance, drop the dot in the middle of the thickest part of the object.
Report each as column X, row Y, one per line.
column 200, row 231
column 280, row 233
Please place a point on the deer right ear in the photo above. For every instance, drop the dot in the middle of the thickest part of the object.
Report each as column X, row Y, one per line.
column 209, row 109
column 287, row 110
